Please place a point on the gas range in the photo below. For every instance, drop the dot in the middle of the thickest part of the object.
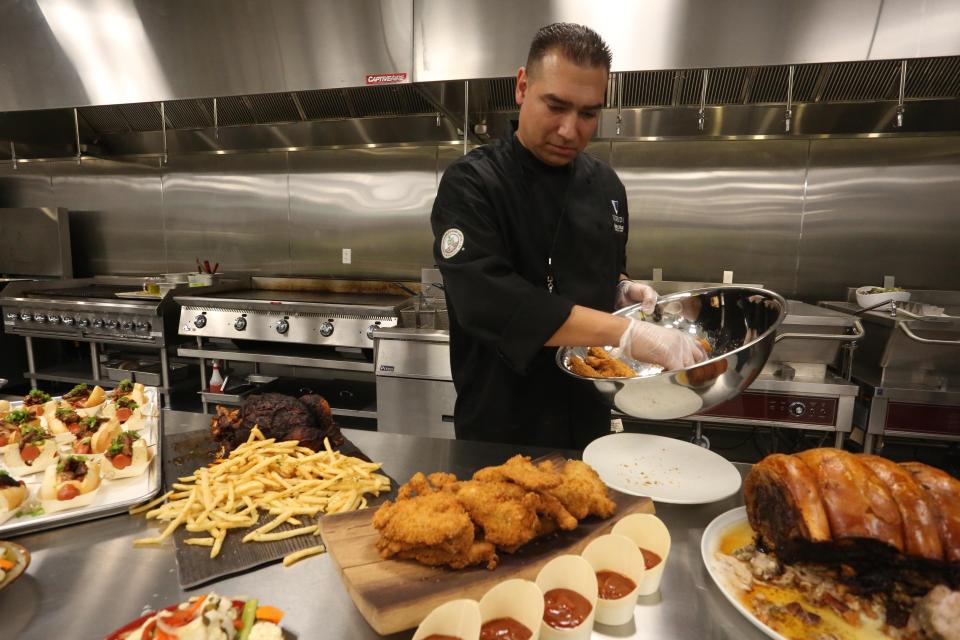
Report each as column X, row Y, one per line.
column 296, row 311
column 108, row 309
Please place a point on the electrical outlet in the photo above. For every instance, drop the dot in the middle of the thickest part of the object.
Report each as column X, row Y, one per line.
column 347, row 256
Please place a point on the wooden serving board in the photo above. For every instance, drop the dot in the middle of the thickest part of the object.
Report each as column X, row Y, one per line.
column 393, row 595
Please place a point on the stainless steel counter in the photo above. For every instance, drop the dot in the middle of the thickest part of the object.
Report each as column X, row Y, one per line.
column 87, row 579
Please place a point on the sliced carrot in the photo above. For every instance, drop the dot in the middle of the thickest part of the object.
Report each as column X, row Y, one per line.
column 270, row 614
column 6, row 565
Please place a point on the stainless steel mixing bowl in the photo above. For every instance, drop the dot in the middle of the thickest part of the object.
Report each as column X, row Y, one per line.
column 740, row 324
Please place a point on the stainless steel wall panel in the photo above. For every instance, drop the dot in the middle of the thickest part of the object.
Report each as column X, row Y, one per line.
column 699, row 208
column 881, row 207
column 911, row 29
column 30, row 185
column 231, row 209
column 118, row 51
column 375, row 202
column 115, row 215
column 483, row 38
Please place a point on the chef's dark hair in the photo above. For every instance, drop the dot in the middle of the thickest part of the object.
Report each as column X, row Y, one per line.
column 581, row 45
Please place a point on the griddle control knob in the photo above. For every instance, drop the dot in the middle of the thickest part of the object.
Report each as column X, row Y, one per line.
column 26, row 317
column 326, row 329
column 54, row 319
column 11, row 316
column 83, row 322
column 240, row 323
column 797, row 409
column 200, row 321
column 126, row 325
column 68, row 321
column 112, row 324
column 39, row 317
column 283, row 326
column 98, row 323
column 144, row 326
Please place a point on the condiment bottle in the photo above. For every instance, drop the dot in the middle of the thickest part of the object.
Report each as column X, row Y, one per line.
column 216, row 380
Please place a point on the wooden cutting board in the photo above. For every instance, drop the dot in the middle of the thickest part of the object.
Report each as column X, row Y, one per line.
column 393, row 595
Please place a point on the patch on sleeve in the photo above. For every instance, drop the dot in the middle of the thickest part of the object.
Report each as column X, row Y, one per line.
column 451, row 243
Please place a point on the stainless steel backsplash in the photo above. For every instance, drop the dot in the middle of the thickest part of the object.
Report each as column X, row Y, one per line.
column 806, row 218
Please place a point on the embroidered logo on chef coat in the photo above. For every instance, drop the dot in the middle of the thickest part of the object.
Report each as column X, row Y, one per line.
column 451, row 243
column 617, row 218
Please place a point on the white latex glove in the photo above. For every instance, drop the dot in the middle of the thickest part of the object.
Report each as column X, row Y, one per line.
column 670, row 348
column 631, row 292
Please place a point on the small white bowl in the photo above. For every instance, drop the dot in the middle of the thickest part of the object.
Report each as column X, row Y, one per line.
column 869, row 299
column 648, row 532
column 574, row 573
column 458, row 618
column 621, row 555
column 521, row 600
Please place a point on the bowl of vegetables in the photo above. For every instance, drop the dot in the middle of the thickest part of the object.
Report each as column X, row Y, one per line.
column 869, row 296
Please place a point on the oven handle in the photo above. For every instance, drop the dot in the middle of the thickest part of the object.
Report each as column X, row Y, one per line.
column 910, row 334
column 858, row 333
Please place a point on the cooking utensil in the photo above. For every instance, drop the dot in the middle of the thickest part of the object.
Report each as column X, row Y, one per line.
column 740, row 323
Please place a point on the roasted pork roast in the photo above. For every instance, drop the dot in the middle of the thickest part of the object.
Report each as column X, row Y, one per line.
column 307, row 419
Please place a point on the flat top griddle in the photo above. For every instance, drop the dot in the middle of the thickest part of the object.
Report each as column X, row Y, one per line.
column 102, row 291
column 311, row 297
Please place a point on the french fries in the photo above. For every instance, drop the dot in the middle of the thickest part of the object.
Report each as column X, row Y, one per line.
column 262, row 475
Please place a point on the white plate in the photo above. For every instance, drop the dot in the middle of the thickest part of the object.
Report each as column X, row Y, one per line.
column 709, row 544
column 665, row 469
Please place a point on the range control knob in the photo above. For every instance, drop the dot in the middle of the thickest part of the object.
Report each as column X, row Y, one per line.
column 54, row 319
column 240, row 323
column 200, row 321
column 83, row 322
column 283, row 326
column 144, row 326
column 797, row 409
column 371, row 329
column 111, row 324
column 39, row 317
column 98, row 323
column 326, row 329
column 26, row 317
column 126, row 325
column 11, row 316
column 68, row 320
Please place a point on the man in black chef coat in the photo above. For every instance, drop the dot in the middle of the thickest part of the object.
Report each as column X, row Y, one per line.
column 530, row 236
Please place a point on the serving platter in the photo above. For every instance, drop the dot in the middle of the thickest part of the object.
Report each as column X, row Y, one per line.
column 664, row 469
column 22, row 557
column 709, row 545
column 114, row 496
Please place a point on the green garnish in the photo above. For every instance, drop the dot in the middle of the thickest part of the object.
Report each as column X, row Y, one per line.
column 34, row 434
column 88, row 423
column 128, row 403
column 78, row 390
column 117, row 445
column 19, row 416
column 35, row 510
column 63, row 412
column 125, row 386
column 38, row 395
column 69, row 459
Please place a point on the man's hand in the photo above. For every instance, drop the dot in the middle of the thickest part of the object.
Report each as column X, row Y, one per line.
column 670, row 348
column 631, row 292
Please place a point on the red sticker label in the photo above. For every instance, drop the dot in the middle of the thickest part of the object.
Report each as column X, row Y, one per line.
column 386, row 78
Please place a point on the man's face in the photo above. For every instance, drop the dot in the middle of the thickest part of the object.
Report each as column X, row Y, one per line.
column 559, row 107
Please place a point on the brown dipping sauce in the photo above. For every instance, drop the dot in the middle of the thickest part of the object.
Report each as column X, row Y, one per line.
column 650, row 559
column 440, row 636
column 565, row 608
column 504, row 629
column 613, row 586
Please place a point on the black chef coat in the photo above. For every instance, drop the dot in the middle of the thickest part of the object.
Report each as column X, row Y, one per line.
column 500, row 215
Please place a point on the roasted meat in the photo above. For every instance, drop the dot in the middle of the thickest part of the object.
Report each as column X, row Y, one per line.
column 884, row 523
column 307, row 419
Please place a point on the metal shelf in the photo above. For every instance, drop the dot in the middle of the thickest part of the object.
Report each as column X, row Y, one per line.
column 267, row 357
column 356, row 413
column 230, row 399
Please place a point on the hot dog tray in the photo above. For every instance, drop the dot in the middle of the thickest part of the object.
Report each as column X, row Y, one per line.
column 114, row 496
